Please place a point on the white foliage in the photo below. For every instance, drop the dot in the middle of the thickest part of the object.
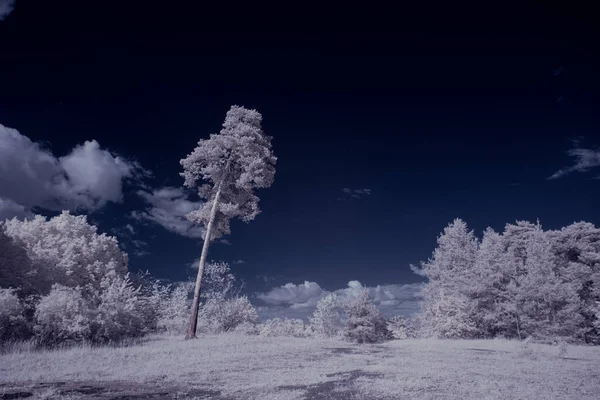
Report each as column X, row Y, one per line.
column 237, row 160
column 365, row 324
column 218, row 283
column 447, row 304
column 285, row 327
column 13, row 324
column 401, row 327
column 63, row 315
column 328, row 319
column 224, row 315
column 16, row 269
column 173, row 310
column 68, row 251
column 119, row 312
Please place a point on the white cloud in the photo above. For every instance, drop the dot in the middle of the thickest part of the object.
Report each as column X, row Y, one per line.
column 354, row 193
column 194, row 264
column 225, row 241
column 237, row 262
column 6, row 7
column 9, row 209
column 299, row 301
column 168, row 208
column 87, row 178
column 293, row 295
column 585, row 159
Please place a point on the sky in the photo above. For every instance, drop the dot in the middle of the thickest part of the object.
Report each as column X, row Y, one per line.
column 382, row 139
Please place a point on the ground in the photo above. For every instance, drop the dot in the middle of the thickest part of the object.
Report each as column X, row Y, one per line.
column 238, row 367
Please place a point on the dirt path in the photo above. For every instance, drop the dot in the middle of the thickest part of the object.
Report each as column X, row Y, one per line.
column 109, row 390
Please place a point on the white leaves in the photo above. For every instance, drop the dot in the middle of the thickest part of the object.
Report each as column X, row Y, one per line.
column 285, row 327
column 12, row 319
column 67, row 250
column 328, row 319
column 364, row 323
column 63, row 315
column 525, row 282
column 224, row 315
column 240, row 159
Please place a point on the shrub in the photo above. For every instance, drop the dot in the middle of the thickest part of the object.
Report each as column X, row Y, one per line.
column 225, row 315
column 62, row 316
column 328, row 319
column 119, row 312
column 365, row 323
column 13, row 325
column 285, row 327
column 400, row 327
column 173, row 310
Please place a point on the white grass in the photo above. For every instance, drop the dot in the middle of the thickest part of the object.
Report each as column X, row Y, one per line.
column 273, row 368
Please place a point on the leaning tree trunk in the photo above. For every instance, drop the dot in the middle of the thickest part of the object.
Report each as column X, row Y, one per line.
column 191, row 332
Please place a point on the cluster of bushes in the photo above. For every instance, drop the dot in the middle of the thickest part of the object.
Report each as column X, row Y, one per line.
column 61, row 282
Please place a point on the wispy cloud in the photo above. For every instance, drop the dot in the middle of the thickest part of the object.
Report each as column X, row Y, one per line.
column 238, row 262
column 168, row 208
column 87, row 178
column 584, row 160
column 299, row 301
column 354, row 193
column 127, row 240
column 6, row 7
column 225, row 241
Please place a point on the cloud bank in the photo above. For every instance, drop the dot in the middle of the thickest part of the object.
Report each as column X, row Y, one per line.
column 299, row 301
column 6, row 7
column 168, row 207
column 85, row 179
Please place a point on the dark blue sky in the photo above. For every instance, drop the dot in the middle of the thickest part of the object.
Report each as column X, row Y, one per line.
column 436, row 124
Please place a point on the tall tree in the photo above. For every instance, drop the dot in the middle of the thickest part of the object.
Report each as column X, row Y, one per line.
column 226, row 168
column 447, row 302
column 577, row 251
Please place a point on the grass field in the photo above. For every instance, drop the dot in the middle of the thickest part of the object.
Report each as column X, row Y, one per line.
column 234, row 366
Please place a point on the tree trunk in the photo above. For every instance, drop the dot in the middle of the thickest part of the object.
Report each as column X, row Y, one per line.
column 191, row 332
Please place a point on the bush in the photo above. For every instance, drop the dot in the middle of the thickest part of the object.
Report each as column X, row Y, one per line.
column 173, row 310
column 62, row 316
column 13, row 325
column 217, row 316
column 401, row 328
column 328, row 320
column 365, row 323
column 119, row 313
column 285, row 327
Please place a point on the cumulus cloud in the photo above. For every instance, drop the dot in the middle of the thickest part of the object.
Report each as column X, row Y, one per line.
column 87, row 178
column 585, row 159
column 6, row 7
column 168, row 208
column 9, row 209
column 354, row 193
column 293, row 295
column 299, row 301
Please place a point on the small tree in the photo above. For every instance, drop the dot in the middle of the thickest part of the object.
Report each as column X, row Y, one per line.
column 365, row 323
column 226, row 315
column 400, row 327
column 231, row 164
column 328, row 318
